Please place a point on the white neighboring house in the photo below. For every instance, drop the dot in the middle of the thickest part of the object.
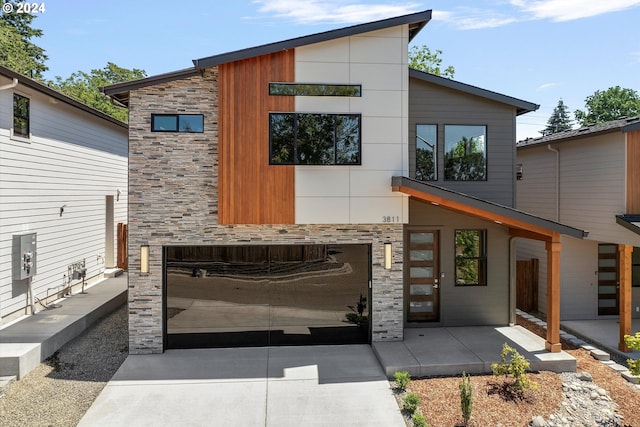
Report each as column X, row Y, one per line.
column 63, row 176
column 588, row 178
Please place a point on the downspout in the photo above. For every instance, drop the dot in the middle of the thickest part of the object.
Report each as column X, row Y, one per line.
column 11, row 85
column 557, row 181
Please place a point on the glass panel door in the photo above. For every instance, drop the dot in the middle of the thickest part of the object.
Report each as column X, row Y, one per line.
column 422, row 290
column 608, row 283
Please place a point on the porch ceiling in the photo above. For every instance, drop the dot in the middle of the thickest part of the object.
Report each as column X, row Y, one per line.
column 520, row 223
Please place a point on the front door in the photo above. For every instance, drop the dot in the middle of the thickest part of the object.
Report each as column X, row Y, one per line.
column 422, row 294
column 608, row 280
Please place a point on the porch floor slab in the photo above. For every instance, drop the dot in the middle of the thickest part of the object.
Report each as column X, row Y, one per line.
column 427, row 352
column 604, row 333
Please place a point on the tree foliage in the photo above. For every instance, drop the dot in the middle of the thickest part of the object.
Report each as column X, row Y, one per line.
column 16, row 49
column 423, row 59
column 611, row 104
column 85, row 87
column 559, row 120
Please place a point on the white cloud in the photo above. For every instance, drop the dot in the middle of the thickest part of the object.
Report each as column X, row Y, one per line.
column 546, row 86
column 636, row 57
column 334, row 11
column 567, row 10
column 473, row 19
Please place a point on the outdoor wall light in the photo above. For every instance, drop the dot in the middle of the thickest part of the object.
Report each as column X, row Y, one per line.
column 388, row 256
column 144, row 259
column 118, row 195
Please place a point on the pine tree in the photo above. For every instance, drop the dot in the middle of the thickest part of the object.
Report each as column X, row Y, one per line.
column 559, row 120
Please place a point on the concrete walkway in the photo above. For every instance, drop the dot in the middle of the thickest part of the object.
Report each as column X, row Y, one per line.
column 603, row 333
column 263, row 386
column 26, row 343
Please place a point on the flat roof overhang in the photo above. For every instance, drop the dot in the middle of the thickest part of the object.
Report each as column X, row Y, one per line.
column 520, row 224
column 630, row 222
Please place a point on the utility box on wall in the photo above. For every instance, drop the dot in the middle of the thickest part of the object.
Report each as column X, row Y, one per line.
column 23, row 256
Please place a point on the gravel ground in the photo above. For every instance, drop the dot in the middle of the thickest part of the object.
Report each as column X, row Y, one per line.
column 61, row 389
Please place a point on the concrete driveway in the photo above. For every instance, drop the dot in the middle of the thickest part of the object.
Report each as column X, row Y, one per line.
column 264, row 386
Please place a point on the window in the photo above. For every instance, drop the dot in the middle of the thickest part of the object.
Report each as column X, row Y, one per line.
column 305, row 89
column 465, row 153
column 471, row 257
column 20, row 116
column 635, row 267
column 314, row 139
column 193, row 123
column 426, row 148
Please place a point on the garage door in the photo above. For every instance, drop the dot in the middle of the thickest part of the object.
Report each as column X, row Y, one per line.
column 264, row 295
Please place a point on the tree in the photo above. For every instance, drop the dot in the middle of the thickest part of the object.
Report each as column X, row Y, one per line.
column 611, row 104
column 85, row 87
column 16, row 49
column 423, row 59
column 559, row 120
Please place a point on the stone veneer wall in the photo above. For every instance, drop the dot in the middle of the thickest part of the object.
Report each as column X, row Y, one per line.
column 173, row 201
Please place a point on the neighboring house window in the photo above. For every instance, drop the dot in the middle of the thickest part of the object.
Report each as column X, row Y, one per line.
column 193, row 123
column 426, row 152
column 635, row 267
column 314, row 139
column 465, row 153
column 471, row 257
column 20, row 116
column 306, row 89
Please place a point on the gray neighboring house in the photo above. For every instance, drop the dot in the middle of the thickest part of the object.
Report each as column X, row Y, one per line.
column 588, row 178
column 317, row 190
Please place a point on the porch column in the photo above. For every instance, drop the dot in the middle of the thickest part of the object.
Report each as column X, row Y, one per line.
column 554, row 248
column 624, row 288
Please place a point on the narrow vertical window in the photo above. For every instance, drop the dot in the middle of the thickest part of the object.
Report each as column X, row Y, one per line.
column 471, row 257
column 426, row 149
column 20, row 116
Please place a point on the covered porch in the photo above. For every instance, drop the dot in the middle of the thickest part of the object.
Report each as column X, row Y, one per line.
column 519, row 225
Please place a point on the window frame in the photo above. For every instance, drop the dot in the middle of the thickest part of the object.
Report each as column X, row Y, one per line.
column 635, row 267
column 296, row 144
column 27, row 118
column 485, row 153
column 482, row 259
column 177, row 120
column 319, row 89
column 435, row 151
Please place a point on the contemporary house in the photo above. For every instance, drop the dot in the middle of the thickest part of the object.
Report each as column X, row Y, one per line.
column 317, row 190
column 63, row 190
column 588, row 178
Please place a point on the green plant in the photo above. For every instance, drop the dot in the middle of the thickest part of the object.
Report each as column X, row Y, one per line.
column 419, row 420
column 515, row 367
column 633, row 341
column 410, row 402
column 466, row 398
column 402, row 379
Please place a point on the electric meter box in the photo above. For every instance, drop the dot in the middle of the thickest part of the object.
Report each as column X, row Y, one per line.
column 24, row 256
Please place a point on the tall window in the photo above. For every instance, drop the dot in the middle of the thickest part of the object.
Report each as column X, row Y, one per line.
column 314, row 139
column 20, row 116
column 465, row 153
column 471, row 257
column 426, row 149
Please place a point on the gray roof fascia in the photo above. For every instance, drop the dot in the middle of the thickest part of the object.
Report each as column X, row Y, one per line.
column 630, row 222
column 420, row 19
column 488, row 206
column 46, row 90
column 522, row 106
column 620, row 125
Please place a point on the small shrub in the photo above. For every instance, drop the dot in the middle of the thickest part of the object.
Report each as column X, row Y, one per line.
column 402, row 379
column 410, row 402
column 419, row 420
column 466, row 399
column 633, row 341
column 515, row 367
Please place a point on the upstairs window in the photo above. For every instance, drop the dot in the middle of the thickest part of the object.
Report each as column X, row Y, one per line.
column 465, row 153
column 190, row 123
column 426, row 149
column 471, row 257
column 308, row 89
column 314, row 139
column 20, row 116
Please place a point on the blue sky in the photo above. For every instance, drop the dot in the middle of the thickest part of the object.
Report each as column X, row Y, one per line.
column 536, row 50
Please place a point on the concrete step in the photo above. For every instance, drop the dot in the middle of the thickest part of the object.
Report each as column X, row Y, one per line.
column 5, row 382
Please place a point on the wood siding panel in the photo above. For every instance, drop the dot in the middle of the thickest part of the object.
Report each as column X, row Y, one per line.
column 633, row 172
column 250, row 190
